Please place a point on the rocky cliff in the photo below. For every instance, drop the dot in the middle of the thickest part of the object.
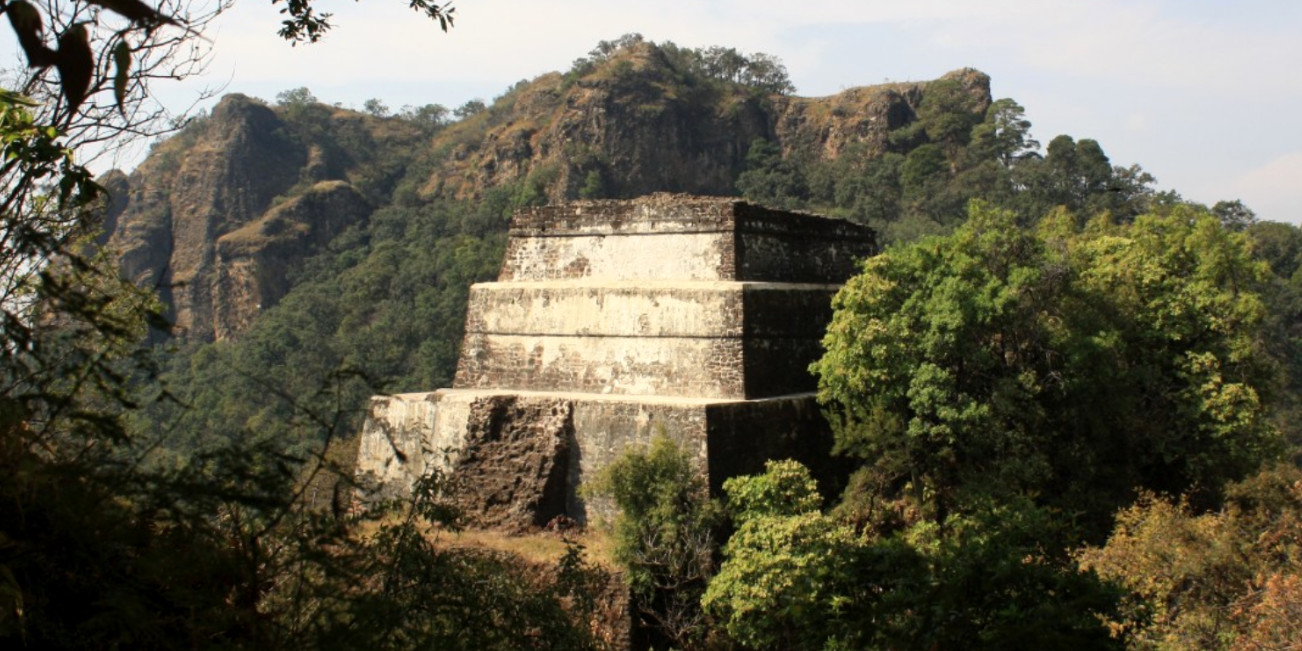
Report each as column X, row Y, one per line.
column 639, row 125
column 218, row 217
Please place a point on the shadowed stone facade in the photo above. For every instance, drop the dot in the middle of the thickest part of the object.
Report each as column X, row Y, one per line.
column 614, row 321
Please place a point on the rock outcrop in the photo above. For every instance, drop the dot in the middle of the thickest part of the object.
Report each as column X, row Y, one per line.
column 640, row 129
column 253, row 261
column 216, row 216
column 182, row 200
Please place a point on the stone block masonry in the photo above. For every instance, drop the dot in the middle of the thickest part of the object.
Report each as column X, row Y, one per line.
column 677, row 238
column 612, row 322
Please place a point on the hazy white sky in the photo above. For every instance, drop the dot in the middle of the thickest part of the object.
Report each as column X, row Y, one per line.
column 1204, row 94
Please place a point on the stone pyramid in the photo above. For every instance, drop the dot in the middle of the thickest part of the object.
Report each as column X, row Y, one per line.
column 612, row 322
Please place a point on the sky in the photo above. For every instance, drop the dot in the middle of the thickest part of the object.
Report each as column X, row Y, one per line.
column 1203, row 94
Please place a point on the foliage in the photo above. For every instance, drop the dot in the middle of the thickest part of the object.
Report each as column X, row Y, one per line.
column 763, row 72
column 1004, row 135
column 770, row 179
column 994, row 580
column 948, row 114
column 470, row 109
column 1234, row 215
column 296, row 97
column 760, row 72
column 787, row 575
column 785, row 488
column 1065, row 363
column 375, row 108
column 594, row 185
column 88, row 554
column 430, row 117
column 795, row 578
column 1005, row 389
column 67, row 322
column 305, row 24
column 665, row 535
column 1079, row 176
column 605, row 51
column 1222, row 580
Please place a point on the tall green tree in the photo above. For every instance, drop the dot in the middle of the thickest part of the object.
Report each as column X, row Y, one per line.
column 1068, row 364
column 788, row 577
column 665, row 536
column 1004, row 135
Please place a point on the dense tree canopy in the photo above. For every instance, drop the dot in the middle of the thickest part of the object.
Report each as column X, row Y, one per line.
column 762, row 72
column 1006, row 391
column 1065, row 363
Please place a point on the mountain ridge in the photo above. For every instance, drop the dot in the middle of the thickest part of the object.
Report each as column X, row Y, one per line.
column 639, row 121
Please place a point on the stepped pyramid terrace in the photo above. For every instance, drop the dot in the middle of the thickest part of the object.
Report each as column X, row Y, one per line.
column 612, row 322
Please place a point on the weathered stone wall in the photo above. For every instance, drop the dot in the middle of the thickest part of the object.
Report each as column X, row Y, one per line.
column 651, row 309
column 672, row 366
column 673, row 237
column 398, row 431
column 616, row 308
column 704, row 339
column 615, row 321
column 718, row 368
column 513, row 469
column 623, row 256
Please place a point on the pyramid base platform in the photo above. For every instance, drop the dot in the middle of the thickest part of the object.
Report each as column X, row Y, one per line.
column 409, row 435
